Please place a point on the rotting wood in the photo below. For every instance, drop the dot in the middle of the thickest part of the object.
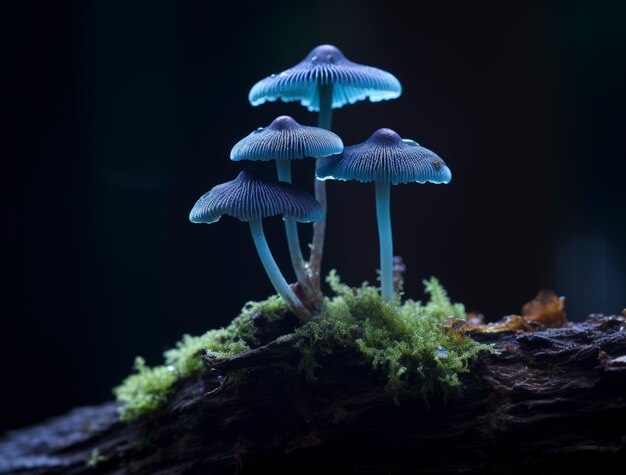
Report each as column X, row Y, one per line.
column 552, row 400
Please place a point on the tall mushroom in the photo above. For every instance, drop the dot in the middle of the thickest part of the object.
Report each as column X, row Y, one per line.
column 251, row 197
column 323, row 81
column 386, row 159
column 282, row 141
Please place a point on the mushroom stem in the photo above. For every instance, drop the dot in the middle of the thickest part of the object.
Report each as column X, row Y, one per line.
column 325, row 117
column 383, row 215
column 319, row 227
column 283, row 168
column 274, row 274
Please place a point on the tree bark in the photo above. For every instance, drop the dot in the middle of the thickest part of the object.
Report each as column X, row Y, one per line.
column 551, row 400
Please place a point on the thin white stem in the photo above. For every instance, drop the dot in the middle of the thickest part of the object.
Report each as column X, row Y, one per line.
column 319, row 227
column 383, row 215
column 283, row 168
column 273, row 272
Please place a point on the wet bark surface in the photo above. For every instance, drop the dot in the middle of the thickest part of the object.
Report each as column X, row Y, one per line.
column 551, row 400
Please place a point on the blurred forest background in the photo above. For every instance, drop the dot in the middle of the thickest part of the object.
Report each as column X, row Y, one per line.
column 123, row 113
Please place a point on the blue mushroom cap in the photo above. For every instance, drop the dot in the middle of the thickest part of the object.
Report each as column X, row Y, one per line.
column 326, row 64
column 285, row 139
column 386, row 157
column 253, row 196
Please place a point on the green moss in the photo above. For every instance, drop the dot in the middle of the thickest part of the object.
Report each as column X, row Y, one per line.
column 147, row 389
column 404, row 340
column 95, row 459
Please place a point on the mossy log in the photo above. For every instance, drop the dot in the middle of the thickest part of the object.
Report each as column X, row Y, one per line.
column 550, row 400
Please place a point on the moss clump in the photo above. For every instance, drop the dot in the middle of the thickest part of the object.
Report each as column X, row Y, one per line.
column 223, row 342
column 404, row 340
column 95, row 459
column 147, row 389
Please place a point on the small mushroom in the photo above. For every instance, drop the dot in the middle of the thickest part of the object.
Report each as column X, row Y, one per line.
column 323, row 81
column 285, row 140
column 251, row 197
column 386, row 159
column 282, row 141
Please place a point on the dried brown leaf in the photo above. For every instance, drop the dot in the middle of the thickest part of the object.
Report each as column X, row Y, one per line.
column 547, row 308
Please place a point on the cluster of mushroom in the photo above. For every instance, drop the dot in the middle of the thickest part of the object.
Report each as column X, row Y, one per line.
column 323, row 81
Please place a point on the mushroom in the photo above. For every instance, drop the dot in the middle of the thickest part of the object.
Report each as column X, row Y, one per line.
column 282, row 141
column 323, row 81
column 326, row 80
column 251, row 197
column 386, row 159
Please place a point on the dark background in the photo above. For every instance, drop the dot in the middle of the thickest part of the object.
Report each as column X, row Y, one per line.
column 123, row 114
